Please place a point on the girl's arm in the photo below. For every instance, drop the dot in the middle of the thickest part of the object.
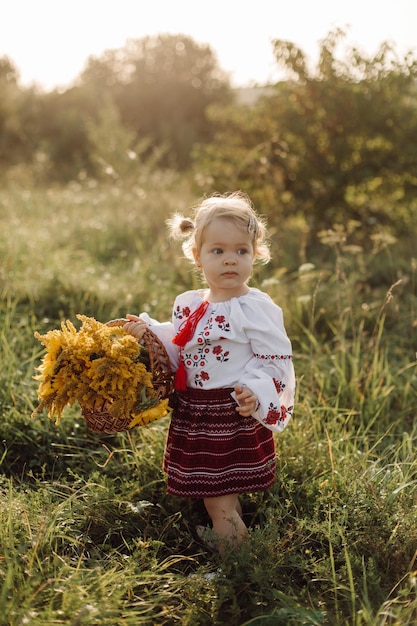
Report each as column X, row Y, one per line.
column 269, row 375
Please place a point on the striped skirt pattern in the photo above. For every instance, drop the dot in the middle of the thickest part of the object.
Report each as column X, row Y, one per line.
column 211, row 450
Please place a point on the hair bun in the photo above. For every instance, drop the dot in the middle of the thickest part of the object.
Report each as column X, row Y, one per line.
column 186, row 225
column 180, row 226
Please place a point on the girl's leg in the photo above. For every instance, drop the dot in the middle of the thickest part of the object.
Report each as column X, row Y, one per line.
column 225, row 514
column 239, row 508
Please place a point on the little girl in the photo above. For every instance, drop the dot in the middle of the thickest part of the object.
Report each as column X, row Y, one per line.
column 234, row 373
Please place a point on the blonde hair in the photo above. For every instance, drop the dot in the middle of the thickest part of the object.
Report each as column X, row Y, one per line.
column 235, row 206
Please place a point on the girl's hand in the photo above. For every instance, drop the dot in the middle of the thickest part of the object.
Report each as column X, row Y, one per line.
column 135, row 326
column 247, row 401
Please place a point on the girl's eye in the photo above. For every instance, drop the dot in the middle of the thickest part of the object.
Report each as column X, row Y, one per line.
column 242, row 251
column 217, row 251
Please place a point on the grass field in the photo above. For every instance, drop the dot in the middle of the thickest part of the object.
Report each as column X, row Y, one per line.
column 88, row 534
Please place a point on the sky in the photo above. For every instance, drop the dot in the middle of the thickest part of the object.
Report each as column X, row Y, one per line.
column 49, row 41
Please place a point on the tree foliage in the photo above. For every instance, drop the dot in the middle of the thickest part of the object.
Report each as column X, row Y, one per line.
column 332, row 144
column 18, row 113
column 157, row 91
column 162, row 87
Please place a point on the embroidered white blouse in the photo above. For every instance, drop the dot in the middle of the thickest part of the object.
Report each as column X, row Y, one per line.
column 238, row 342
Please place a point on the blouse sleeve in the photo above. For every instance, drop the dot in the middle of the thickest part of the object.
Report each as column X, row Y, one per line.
column 165, row 333
column 270, row 371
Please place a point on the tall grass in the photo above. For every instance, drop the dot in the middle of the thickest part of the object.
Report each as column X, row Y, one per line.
column 88, row 534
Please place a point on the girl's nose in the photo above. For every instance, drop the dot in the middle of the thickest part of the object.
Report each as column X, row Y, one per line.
column 230, row 260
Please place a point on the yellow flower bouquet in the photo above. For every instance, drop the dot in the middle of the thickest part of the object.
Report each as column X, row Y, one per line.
column 118, row 382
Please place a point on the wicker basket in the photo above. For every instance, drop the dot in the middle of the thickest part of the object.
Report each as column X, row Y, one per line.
column 99, row 420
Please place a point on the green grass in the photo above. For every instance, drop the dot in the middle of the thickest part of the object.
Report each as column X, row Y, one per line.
column 88, row 534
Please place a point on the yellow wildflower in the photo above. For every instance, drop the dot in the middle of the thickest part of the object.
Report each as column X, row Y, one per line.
column 95, row 365
column 149, row 415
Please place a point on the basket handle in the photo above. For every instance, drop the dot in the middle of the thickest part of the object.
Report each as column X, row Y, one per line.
column 164, row 376
column 119, row 321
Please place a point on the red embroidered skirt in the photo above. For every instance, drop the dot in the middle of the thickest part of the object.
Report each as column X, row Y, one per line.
column 211, row 450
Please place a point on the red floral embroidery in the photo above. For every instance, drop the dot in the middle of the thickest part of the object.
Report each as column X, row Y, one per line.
column 281, row 357
column 200, row 378
column 279, row 385
column 194, row 360
column 220, row 355
column 275, row 415
column 179, row 313
column 221, row 323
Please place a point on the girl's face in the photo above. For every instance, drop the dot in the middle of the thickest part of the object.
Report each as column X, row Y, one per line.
column 226, row 257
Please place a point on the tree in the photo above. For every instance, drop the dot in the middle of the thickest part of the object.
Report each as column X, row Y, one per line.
column 331, row 145
column 63, row 123
column 162, row 86
column 10, row 103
